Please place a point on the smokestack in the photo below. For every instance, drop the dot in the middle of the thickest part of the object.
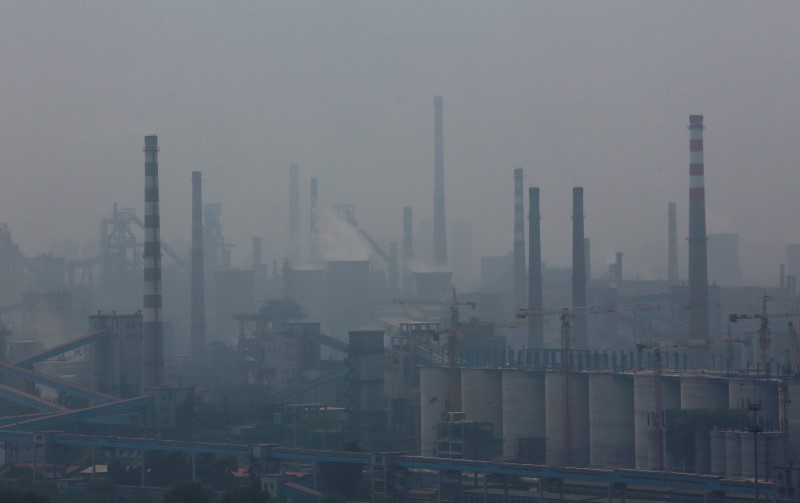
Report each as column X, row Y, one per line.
column 579, row 338
column 519, row 242
column 535, row 326
column 198, row 295
column 698, row 258
column 152, row 334
column 587, row 258
column 439, row 222
column 294, row 213
column 618, row 269
column 314, row 217
column 408, row 251
column 672, row 245
column 782, row 276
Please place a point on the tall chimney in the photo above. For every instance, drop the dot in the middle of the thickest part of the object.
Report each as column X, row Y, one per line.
column 439, row 222
column 672, row 245
column 698, row 259
column 579, row 337
column 618, row 269
column 535, row 323
column 198, row 295
column 519, row 242
column 587, row 258
column 408, row 251
column 782, row 276
column 152, row 329
column 294, row 213
column 314, row 219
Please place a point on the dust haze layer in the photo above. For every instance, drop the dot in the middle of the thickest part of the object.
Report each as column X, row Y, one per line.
column 576, row 93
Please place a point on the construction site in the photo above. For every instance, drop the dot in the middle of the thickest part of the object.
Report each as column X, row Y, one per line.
column 543, row 383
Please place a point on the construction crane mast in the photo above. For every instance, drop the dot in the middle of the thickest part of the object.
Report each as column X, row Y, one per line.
column 454, row 384
column 764, row 338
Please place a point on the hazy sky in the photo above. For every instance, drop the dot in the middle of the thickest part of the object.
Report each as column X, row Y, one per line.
column 593, row 93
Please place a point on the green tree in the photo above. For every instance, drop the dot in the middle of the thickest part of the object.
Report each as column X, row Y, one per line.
column 187, row 492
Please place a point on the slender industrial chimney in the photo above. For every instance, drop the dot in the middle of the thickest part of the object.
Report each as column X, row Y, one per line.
column 535, row 323
column 672, row 245
column 698, row 258
column 314, row 220
column 294, row 213
column 618, row 269
column 587, row 258
column 520, row 294
column 408, row 251
column 439, row 222
column 198, row 295
column 579, row 337
column 152, row 329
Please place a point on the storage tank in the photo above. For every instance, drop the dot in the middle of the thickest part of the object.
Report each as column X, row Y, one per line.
column 717, row 445
column 794, row 421
column 733, row 454
column 702, row 451
column 554, row 418
column 698, row 392
column 432, row 283
column 611, row 421
column 653, row 435
column 433, row 383
column 482, row 397
column 523, row 409
column 644, row 405
column 748, row 454
column 744, row 391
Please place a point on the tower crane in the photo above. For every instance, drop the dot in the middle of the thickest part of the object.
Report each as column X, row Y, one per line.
column 454, row 384
column 764, row 338
column 566, row 384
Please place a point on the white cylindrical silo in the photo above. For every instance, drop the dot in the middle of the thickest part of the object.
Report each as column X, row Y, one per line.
column 733, row 454
column 793, row 413
column 699, row 392
column 433, row 382
column 611, row 421
column 554, row 418
column 482, row 397
column 644, row 405
column 717, row 445
column 702, row 451
column 749, row 454
column 523, row 409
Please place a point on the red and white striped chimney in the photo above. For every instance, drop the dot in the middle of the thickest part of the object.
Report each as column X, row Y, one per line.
column 152, row 333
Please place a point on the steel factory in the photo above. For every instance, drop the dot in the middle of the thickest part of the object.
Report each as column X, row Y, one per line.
column 358, row 353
